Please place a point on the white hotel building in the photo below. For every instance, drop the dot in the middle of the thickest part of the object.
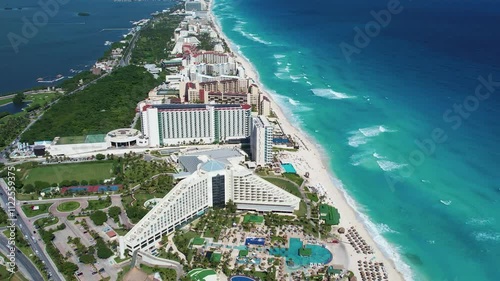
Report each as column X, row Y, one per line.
column 174, row 124
column 213, row 184
column 261, row 141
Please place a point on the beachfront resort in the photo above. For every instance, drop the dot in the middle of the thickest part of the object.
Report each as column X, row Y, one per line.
column 245, row 195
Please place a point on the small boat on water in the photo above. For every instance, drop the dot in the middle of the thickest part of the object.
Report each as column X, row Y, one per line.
column 448, row 202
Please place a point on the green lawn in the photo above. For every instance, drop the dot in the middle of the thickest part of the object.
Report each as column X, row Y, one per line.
column 294, row 177
column 71, row 140
column 43, row 208
column 58, row 173
column 44, row 222
column 120, row 231
column 4, row 274
column 41, row 99
column 68, row 206
column 118, row 260
column 285, row 184
column 98, row 204
column 5, row 101
column 302, row 211
column 313, row 197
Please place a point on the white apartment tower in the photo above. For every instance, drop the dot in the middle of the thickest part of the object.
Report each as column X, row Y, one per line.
column 261, row 140
column 174, row 124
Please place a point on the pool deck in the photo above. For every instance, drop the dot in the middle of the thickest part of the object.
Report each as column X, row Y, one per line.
column 226, row 245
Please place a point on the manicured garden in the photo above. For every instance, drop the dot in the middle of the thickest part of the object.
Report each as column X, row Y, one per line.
column 44, row 222
column 68, row 206
column 31, row 210
column 99, row 204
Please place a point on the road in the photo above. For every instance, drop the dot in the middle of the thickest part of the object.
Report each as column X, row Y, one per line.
column 27, row 230
column 128, row 52
column 3, row 152
column 27, row 268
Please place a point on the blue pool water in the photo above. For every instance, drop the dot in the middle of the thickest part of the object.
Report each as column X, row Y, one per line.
column 289, row 168
column 241, row 278
column 319, row 254
column 255, row 241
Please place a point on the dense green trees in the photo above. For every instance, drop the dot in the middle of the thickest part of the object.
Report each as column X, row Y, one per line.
column 100, row 108
column 18, row 98
column 206, row 42
column 114, row 212
column 99, row 217
column 103, row 252
column 3, row 217
column 10, row 127
column 136, row 213
column 154, row 42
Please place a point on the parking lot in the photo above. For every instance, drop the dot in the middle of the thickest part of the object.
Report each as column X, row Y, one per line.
column 101, row 269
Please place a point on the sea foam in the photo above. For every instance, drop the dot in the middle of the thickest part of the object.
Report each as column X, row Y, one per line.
column 389, row 250
column 362, row 135
column 330, row 94
column 239, row 28
column 388, row 166
column 487, row 236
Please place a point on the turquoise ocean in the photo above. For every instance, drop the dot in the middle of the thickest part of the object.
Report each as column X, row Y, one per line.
column 406, row 135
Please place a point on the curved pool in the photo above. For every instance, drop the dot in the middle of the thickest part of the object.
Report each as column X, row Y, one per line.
column 241, row 278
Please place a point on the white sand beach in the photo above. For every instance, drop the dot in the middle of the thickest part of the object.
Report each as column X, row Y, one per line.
column 309, row 158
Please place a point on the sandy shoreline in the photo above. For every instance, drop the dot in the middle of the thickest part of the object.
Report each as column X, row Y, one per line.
column 320, row 173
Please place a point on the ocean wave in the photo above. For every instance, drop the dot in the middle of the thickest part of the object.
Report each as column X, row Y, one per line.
column 364, row 157
column 356, row 140
column 280, row 75
column 487, row 236
column 284, row 69
column 279, row 56
column 330, row 94
column 239, row 28
column 362, row 135
column 359, row 158
column 389, row 250
column 389, row 165
column 480, row 221
column 293, row 102
column 384, row 228
column 374, row 131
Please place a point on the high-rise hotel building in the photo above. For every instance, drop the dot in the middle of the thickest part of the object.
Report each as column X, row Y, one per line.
column 261, row 141
column 213, row 184
column 174, row 124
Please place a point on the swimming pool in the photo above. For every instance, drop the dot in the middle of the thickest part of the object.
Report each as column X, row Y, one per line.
column 319, row 254
column 288, row 168
column 241, row 278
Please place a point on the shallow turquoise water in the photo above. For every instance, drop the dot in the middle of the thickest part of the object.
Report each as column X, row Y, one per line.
column 377, row 118
column 319, row 253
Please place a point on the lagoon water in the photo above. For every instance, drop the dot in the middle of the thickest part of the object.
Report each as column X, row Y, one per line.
column 67, row 41
column 13, row 108
column 386, row 120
